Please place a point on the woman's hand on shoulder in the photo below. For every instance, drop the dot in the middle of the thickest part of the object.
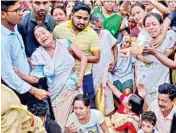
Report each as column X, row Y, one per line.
column 157, row 41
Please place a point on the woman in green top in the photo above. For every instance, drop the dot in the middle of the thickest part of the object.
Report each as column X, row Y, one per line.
column 112, row 21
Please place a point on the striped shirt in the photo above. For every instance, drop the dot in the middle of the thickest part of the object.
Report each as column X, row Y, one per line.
column 87, row 40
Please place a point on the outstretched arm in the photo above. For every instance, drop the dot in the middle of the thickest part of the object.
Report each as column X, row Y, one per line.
column 28, row 78
column 114, row 89
column 161, row 57
column 163, row 9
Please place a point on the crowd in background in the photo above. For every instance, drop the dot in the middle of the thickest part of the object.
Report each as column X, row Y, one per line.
column 88, row 66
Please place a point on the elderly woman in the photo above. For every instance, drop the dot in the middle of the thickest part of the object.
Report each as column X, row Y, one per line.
column 85, row 120
column 53, row 61
column 101, row 76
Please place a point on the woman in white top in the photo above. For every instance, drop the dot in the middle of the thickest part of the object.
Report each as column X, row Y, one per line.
column 108, row 59
column 85, row 120
column 150, row 71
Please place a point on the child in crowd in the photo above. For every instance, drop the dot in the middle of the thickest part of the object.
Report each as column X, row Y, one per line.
column 148, row 122
column 123, row 71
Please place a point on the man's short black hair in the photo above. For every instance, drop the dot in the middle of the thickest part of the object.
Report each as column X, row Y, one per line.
column 81, row 6
column 169, row 89
column 6, row 4
column 150, row 117
column 38, row 108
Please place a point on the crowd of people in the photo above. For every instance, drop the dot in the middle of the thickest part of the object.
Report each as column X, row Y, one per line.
column 88, row 66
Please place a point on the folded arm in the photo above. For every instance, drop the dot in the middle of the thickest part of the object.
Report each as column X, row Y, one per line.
column 81, row 57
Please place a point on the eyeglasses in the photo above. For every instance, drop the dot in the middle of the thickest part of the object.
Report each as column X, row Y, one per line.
column 18, row 11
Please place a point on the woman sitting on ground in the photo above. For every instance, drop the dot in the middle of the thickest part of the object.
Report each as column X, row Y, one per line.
column 127, row 116
column 85, row 120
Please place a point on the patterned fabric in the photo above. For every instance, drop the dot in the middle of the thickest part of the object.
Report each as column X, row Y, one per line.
column 119, row 120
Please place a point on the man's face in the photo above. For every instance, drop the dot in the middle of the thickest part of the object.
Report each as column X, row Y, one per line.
column 14, row 14
column 164, row 102
column 40, row 7
column 80, row 19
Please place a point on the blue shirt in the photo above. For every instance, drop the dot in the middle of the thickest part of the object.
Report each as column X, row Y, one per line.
column 13, row 55
column 172, row 17
column 26, row 29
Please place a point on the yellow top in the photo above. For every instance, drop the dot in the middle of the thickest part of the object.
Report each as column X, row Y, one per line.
column 87, row 40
